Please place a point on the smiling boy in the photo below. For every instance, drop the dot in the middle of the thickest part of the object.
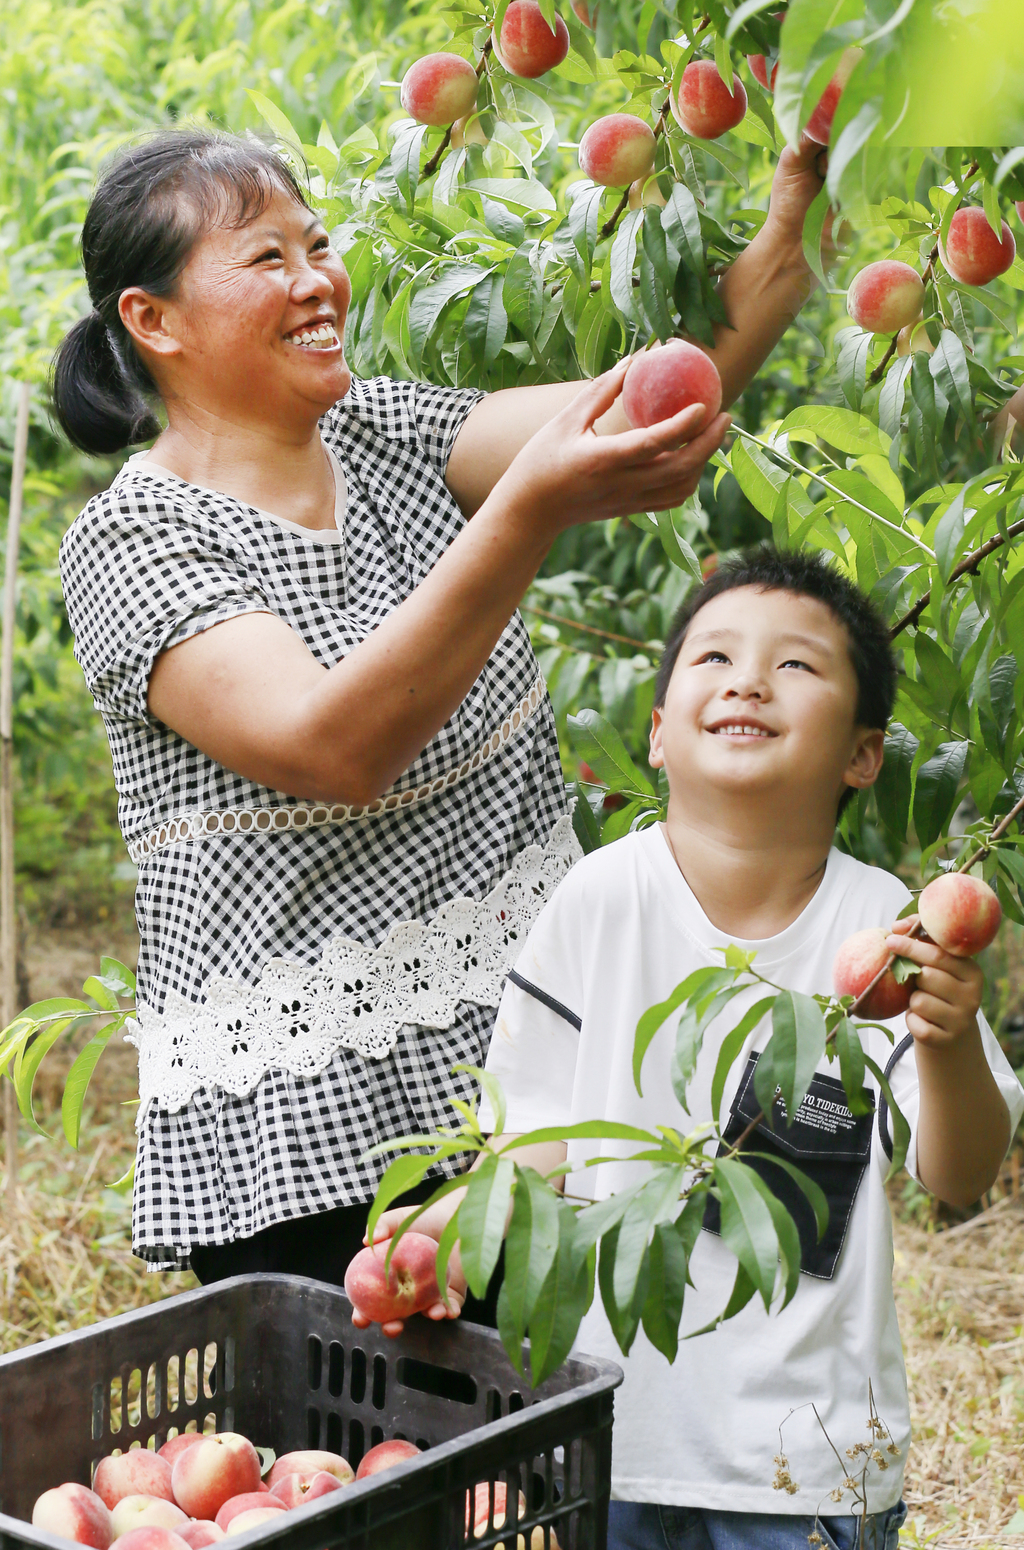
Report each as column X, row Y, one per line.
column 771, row 703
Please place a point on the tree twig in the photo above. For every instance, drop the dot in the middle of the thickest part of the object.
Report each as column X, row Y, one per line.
column 589, row 629
column 966, row 566
column 432, row 164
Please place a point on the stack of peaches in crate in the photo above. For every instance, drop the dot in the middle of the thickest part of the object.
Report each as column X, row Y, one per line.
column 195, row 1490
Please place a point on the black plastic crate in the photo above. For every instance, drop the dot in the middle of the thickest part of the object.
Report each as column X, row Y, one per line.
column 277, row 1358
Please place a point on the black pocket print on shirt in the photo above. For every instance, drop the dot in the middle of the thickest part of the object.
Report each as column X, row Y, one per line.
column 825, row 1141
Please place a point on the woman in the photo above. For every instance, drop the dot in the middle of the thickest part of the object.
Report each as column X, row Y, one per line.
column 336, row 763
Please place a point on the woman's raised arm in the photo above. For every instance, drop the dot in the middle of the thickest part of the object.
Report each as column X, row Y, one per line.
column 249, row 693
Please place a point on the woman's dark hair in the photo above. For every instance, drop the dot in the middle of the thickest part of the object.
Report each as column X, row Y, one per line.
column 151, row 206
column 806, row 575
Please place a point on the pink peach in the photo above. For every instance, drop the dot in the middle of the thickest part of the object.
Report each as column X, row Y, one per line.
column 645, row 192
column 527, row 47
column 409, row 1287
column 222, row 1466
column 972, row 252
column 72, row 1511
column 617, row 149
column 200, row 1533
column 293, row 1490
column 857, row 962
column 885, row 296
column 252, row 1519
column 704, row 105
column 439, row 88
column 759, row 70
column 134, row 1512
column 914, row 340
column 960, row 913
column 246, row 1501
column 588, row 14
column 819, row 125
column 384, row 1456
column 311, row 1461
column 661, row 383
column 136, row 1473
column 151, row 1538
column 175, row 1445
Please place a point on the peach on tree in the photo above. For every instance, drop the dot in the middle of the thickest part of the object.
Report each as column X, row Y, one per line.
column 617, row 149
column 527, row 47
column 439, row 88
column 703, row 105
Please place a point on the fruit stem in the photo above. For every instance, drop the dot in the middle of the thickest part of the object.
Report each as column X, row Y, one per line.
column 879, row 371
column 432, row 163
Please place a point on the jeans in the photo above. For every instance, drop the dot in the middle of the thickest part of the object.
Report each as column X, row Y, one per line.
column 646, row 1526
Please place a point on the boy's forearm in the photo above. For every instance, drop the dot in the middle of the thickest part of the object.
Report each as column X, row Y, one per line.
column 963, row 1128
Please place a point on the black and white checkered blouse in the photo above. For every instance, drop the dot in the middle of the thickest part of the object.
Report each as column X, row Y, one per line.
column 309, row 973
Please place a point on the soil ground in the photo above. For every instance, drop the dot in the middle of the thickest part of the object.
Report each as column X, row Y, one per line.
column 66, row 1261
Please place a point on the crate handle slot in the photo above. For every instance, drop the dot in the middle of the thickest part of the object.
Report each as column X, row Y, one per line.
column 428, row 1378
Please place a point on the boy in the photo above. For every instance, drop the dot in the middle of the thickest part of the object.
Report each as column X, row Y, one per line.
column 771, row 703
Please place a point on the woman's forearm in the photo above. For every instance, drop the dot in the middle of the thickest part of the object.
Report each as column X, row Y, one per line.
column 763, row 291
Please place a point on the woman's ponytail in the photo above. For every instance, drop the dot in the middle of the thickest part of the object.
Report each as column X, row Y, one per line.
column 98, row 408
column 151, row 206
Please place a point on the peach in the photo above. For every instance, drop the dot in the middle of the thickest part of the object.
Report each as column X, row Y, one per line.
column 410, row 1285
column 617, row 149
column 175, row 1445
column 199, row 1533
column 1019, row 207
column 960, row 913
column 527, row 47
column 885, row 297
column 252, row 1519
column 145, row 1512
column 759, row 70
column 222, row 1466
column 588, row 16
column 914, row 339
column 439, row 88
column 72, row 1511
column 246, row 1501
column 311, row 1461
column 293, row 1490
column 972, row 252
column 857, row 962
column 645, row 191
column 137, row 1473
column 467, row 130
column 704, row 106
column 819, row 125
column 660, row 383
column 1013, row 409
column 385, row 1456
column 151, row 1538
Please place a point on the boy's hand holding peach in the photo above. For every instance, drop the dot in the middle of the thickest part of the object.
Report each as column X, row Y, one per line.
column 946, row 998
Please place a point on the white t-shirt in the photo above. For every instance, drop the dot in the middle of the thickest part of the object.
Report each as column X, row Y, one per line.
column 617, row 935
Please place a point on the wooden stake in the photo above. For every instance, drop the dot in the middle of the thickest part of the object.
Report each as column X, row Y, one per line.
column 8, row 904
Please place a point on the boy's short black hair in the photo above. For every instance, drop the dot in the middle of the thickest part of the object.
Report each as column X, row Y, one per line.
column 806, row 575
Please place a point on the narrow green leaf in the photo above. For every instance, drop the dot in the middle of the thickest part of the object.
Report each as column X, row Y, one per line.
column 813, row 229
column 117, row 977
column 494, row 1090
column 731, row 1047
column 530, row 1245
column 663, row 1307
column 79, row 1077
column 126, row 1183
column 565, row 1297
column 272, row 114
column 101, row 994
column 935, row 791
column 30, row 1057
column 897, row 1121
column 791, row 1055
column 743, row 1290
column 656, row 1202
column 602, row 747
column 895, row 781
column 403, row 1174
column 624, row 1321
column 747, row 1226
column 851, row 1066
column 482, row 1217
column 584, row 823
column 657, row 1015
column 816, row 1197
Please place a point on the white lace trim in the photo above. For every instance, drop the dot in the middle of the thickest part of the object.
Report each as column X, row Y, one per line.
column 263, row 820
column 359, row 998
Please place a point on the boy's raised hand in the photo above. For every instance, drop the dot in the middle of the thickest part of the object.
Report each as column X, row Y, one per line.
column 431, row 1223
column 944, row 1007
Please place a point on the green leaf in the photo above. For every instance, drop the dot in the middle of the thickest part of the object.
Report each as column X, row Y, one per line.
column 565, row 1297
column 840, row 428
column 655, row 1016
column 656, row 1202
column 405, row 160
column 584, row 214
column 272, row 115
column 748, row 1229
column 790, row 1058
column 523, row 290
column 624, row 1321
column 79, row 1077
column 30, row 1057
column 758, row 478
column 482, row 1217
column 117, row 977
column 851, row 1065
column 530, row 1245
column 485, row 324
column 667, row 1267
column 813, row 1192
column 948, row 366
column 787, row 1235
column 895, row 780
column 897, row 1121
column 601, row 746
column 731, row 1047
column 584, row 824
column 126, row 1183
column 621, row 263
column 101, row 994
column 813, row 228
column 935, row 792
column 401, row 1175
column 493, row 1088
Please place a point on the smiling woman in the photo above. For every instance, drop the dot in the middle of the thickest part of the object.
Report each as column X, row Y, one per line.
column 336, row 762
